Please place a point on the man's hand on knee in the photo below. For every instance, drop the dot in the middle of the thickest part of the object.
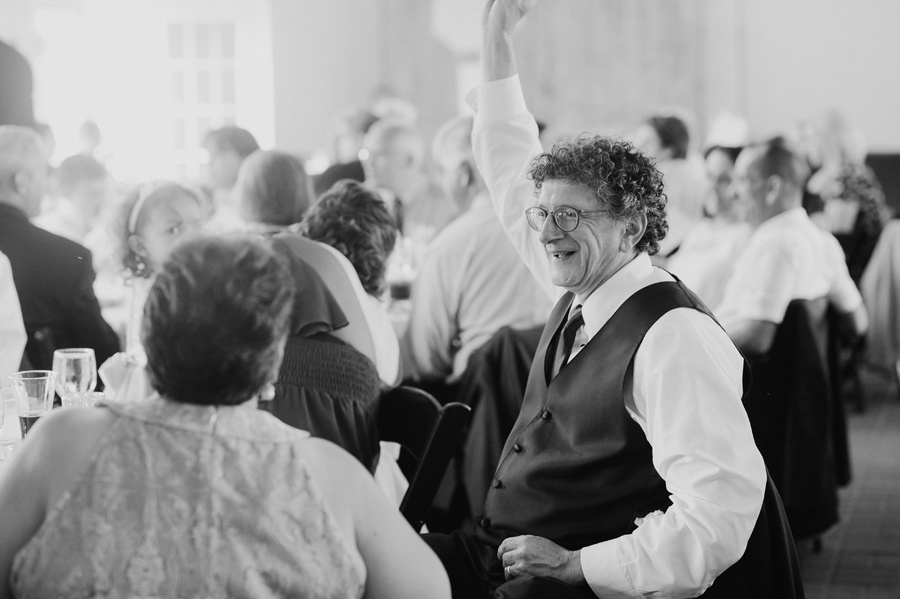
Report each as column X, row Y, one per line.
column 538, row 556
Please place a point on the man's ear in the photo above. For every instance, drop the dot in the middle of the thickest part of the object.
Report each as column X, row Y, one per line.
column 635, row 228
column 464, row 175
column 774, row 187
column 22, row 182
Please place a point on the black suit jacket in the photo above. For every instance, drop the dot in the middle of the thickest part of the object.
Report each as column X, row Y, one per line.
column 54, row 279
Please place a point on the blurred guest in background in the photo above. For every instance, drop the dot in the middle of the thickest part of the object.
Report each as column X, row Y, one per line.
column 53, row 276
column 471, row 281
column 843, row 195
column 227, row 148
column 16, row 88
column 353, row 220
column 272, row 191
column 395, row 166
column 154, row 219
column 708, row 251
column 348, row 142
column 788, row 257
column 195, row 491
column 666, row 138
column 83, row 188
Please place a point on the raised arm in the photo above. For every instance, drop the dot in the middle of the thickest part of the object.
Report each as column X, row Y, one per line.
column 499, row 20
column 505, row 135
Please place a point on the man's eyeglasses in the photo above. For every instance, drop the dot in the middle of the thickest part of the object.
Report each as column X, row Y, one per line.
column 566, row 218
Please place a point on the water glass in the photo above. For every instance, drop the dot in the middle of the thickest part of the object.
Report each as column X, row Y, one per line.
column 76, row 371
column 33, row 390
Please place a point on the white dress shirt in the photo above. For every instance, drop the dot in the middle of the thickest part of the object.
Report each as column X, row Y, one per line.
column 706, row 257
column 471, row 283
column 788, row 257
column 12, row 329
column 685, row 394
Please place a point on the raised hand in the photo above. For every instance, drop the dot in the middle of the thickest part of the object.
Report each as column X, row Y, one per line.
column 498, row 20
column 504, row 15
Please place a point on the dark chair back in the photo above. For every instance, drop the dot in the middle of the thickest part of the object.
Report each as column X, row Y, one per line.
column 790, row 406
column 428, row 435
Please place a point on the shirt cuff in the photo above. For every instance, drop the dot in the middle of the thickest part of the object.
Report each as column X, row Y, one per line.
column 497, row 99
column 603, row 572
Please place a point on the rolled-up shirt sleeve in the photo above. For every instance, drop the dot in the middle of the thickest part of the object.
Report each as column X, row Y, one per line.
column 505, row 141
column 687, row 398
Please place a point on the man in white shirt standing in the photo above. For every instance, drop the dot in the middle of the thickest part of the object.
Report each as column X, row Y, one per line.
column 471, row 281
column 788, row 257
column 631, row 470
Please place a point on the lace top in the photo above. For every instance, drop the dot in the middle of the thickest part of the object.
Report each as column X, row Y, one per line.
column 191, row 501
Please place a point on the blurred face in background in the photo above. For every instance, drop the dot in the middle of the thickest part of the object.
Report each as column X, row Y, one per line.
column 223, row 166
column 720, row 172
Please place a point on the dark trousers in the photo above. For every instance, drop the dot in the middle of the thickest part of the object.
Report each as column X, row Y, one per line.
column 476, row 573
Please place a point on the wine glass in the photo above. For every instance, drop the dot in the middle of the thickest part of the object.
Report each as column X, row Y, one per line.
column 76, row 371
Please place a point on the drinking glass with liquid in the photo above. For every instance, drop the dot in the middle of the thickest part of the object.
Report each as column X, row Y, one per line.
column 33, row 390
column 76, row 374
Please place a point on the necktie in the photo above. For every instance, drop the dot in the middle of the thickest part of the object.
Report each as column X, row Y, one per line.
column 398, row 214
column 564, row 348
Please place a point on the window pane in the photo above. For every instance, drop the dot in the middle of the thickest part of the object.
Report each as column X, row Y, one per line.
column 228, row 40
column 176, row 41
column 202, row 40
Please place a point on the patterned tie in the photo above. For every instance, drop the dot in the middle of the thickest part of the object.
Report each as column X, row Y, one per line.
column 564, row 349
column 398, row 214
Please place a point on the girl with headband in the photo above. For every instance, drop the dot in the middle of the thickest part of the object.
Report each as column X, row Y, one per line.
column 154, row 219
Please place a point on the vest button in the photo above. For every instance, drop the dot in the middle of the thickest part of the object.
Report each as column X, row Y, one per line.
column 496, row 483
column 518, row 448
column 546, row 415
column 485, row 523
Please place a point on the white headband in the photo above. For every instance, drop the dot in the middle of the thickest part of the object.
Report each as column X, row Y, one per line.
column 146, row 190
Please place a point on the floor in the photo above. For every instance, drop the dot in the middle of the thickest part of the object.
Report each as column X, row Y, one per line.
column 860, row 557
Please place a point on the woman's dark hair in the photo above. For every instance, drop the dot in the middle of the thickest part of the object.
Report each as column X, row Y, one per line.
column 355, row 221
column 673, row 134
column 273, row 188
column 623, row 179
column 232, row 138
column 216, row 320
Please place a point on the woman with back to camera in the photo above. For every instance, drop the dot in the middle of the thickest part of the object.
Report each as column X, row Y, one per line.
column 194, row 492
column 272, row 191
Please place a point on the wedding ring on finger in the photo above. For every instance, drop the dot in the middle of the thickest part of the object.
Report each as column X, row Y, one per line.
column 508, row 572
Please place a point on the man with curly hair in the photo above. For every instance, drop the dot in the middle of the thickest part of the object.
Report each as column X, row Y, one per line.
column 631, row 470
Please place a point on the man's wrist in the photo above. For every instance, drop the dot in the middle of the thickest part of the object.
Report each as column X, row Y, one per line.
column 574, row 574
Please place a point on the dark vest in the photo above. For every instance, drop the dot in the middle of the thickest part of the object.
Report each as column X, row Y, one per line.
column 576, row 469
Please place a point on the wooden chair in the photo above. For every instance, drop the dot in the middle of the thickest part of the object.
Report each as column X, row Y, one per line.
column 428, row 435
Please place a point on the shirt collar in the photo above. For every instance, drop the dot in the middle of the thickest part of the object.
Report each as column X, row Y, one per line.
column 600, row 305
